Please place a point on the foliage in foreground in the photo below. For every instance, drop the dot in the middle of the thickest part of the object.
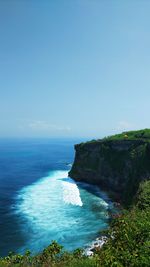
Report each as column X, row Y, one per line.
column 128, row 243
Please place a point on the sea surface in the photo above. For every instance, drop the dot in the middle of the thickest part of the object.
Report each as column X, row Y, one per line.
column 40, row 203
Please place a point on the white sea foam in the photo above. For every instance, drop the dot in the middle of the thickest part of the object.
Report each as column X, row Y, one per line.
column 52, row 209
column 47, row 196
column 71, row 194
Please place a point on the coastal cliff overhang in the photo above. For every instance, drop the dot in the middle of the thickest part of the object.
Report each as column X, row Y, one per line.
column 116, row 164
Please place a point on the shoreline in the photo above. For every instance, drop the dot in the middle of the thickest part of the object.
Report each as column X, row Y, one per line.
column 95, row 245
column 101, row 240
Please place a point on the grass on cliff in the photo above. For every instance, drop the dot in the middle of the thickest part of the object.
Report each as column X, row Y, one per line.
column 128, row 243
column 143, row 135
column 131, row 135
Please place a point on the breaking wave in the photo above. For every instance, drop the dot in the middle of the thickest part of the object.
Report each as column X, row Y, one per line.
column 55, row 208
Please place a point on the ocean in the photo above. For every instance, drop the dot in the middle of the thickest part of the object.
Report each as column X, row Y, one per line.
column 40, row 203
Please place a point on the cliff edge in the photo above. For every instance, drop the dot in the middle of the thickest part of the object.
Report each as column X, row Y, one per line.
column 116, row 164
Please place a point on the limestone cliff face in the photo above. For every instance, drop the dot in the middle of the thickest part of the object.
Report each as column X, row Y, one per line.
column 116, row 166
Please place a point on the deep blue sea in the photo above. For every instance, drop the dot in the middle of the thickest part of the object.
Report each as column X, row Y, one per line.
column 40, row 203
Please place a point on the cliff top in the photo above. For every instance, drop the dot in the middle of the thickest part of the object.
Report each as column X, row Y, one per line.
column 131, row 135
column 140, row 135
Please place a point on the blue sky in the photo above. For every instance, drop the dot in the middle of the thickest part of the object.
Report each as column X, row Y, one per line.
column 74, row 67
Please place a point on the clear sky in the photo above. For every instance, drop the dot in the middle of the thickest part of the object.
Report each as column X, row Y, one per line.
column 74, row 67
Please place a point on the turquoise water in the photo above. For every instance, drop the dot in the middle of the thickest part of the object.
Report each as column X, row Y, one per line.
column 40, row 203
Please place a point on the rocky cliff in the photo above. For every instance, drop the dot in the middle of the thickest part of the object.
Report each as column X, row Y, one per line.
column 116, row 164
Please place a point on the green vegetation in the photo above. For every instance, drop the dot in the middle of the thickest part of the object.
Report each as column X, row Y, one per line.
column 131, row 135
column 128, row 243
column 143, row 135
